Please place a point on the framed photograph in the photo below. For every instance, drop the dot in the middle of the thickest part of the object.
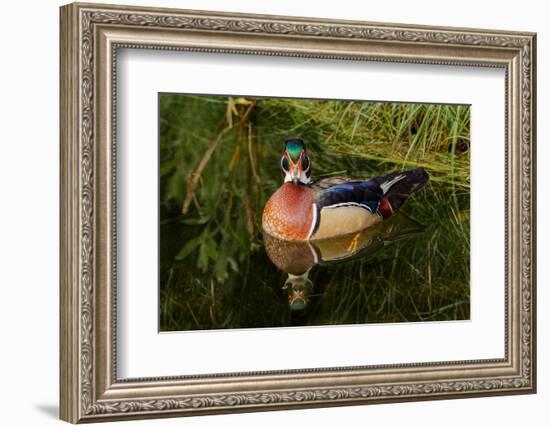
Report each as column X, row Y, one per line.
column 267, row 212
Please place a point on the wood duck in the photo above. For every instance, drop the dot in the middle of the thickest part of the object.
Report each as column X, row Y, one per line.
column 302, row 210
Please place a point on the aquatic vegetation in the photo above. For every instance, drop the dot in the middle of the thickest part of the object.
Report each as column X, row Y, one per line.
column 219, row 163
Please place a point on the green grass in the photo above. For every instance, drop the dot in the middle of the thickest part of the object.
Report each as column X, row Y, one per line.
column 220, row 160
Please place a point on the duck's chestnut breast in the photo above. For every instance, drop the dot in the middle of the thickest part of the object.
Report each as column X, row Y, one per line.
column 288, row 214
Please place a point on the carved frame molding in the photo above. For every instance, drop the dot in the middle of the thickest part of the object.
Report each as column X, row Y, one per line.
column 90, row 37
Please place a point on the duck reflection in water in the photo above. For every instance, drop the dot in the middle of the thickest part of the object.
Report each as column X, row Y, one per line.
column 298, row 258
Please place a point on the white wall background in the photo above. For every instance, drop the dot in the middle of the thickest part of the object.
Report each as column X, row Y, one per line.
column 29, row 170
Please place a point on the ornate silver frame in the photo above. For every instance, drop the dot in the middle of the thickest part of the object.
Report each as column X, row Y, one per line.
column 90, row 36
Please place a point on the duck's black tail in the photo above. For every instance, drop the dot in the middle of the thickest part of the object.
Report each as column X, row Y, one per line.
column 397, row 187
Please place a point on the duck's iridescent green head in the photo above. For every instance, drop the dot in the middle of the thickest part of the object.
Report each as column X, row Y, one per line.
column 295, row 162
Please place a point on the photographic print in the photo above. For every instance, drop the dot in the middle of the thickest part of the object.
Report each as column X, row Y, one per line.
column 222, row 180
column 278, row 212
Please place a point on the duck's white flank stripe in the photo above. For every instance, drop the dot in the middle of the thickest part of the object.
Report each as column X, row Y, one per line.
column 314, row 222
column 344, row 204
column 387, row 185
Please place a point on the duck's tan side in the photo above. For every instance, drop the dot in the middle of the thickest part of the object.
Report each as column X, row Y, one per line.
column 343, row 220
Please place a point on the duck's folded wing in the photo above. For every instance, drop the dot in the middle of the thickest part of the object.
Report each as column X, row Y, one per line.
column 395, row 187
column 365, row 194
